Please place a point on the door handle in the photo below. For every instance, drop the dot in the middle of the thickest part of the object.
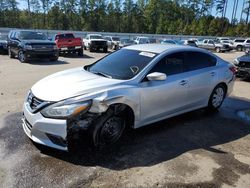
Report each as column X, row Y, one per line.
column 212, row 73
column 183, row 82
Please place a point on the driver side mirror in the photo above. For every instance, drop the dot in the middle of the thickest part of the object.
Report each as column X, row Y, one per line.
column 156, row 76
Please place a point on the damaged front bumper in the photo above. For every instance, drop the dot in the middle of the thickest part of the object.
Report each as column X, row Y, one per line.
column 56, row 133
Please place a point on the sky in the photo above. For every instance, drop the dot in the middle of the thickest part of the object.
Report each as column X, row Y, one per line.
column 23, row 5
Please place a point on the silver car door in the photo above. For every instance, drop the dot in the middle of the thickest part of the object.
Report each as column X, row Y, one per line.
column 202, row 77
column 163, row 98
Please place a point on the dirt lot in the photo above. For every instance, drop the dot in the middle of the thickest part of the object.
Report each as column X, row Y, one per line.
column 196, row 149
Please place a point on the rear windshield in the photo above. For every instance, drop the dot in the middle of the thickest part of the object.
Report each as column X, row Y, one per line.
column 123, row 64
column 65, row 36
column 31, row 35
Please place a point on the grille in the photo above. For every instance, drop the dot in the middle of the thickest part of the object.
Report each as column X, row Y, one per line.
column 35, row 103
column 99, row 42
column 244, row 64
column 42, row 47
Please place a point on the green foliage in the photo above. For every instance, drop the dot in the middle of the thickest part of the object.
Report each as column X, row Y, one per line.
column 189, row 17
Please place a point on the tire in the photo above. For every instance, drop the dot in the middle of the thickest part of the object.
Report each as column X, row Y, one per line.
column 216, row 98
column 53, row 59
column 217, row 49
column 22, row 57
column 11, row 54
column 90, row 49
column 105, row 50
column 85, row 48
column 239, row 48
column 108, row 130
column 80, row 52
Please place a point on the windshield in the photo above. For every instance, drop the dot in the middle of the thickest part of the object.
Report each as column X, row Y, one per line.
column 95, row 37
column 123, row 64
column 3, row 37
column 126, row 41
column 115, row 38
column 31, row 35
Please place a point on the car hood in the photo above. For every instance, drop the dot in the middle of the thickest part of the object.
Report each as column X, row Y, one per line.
column 38, row 42
column 245, row 58
column 71, row 83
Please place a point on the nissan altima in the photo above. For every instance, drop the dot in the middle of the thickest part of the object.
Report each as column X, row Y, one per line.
column 132, row 87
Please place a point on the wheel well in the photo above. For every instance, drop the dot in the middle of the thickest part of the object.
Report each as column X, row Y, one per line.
column 224, row 85
column 125, row 111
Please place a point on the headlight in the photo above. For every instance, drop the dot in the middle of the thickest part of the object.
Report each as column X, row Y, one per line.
column 236, row 61
column 27, row 47
column 63, row 110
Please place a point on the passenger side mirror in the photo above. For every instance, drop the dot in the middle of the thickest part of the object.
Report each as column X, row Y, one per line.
column 156, row 76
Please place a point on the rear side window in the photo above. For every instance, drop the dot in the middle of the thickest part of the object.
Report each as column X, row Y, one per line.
column 170, row 65
column 199, row 60
column 65, row 36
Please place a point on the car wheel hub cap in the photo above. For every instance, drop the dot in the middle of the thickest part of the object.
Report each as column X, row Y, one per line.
column 218, row 97
column 112, row 130
column 21, row 56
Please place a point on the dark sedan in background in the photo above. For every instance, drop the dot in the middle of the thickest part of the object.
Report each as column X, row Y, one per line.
column 28, row 45
column 3, row 43
column 243, row 65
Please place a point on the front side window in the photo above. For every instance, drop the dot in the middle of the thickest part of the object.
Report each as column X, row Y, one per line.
column 170, row 65
column 199, row 60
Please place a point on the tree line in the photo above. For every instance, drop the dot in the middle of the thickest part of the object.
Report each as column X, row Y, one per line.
column 186, row 17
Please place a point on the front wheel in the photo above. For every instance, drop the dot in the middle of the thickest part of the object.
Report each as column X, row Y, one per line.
column 22, row 57
column 80, row 52
column 217, row 97
column 10, row 53
column 108, row 130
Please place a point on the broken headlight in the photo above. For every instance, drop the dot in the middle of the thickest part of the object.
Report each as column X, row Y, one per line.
column 64, row 110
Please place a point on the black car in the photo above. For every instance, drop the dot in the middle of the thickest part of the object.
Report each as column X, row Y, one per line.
column 3, row 43
column 28, row 45
column 243, row 65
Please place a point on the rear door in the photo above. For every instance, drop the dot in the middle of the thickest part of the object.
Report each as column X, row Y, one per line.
column 202, row 77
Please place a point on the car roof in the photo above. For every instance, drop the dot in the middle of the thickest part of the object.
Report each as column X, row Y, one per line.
column 157, row 48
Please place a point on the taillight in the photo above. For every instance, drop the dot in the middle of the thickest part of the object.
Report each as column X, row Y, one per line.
column 233, row 69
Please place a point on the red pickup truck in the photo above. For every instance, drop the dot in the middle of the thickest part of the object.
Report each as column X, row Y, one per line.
column 66, row 42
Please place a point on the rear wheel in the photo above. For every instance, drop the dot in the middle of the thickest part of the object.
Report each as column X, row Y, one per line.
column 80, row 52
column 22, row 57
column 11, row 54
column 217, row 50
column 217, row 97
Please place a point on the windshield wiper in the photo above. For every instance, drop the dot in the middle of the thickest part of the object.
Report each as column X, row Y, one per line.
column 102, row 74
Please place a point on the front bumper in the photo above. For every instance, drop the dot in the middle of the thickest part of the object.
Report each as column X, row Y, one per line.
column 45, row 131
column 30, row 54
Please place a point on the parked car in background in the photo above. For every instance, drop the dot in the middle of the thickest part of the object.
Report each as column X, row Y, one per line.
column 190, row 43
column 243, row 65
column 246, row 44
column 113, row 42
column 210, row 44
column 168, row 41
column 125, row 42
column 238, row 44
column 227, row 42
column 142, row 40
column 152, row 40
column 3, row 43
column 28, row 45
column 95, row 42
column 130, row 88
column 68, row 43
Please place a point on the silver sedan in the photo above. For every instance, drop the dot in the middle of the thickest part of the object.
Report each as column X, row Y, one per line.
column 132, row 87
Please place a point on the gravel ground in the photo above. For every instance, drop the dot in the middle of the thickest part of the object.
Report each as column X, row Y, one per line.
column 196, row 149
